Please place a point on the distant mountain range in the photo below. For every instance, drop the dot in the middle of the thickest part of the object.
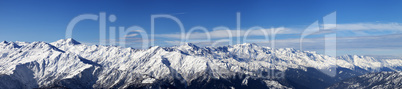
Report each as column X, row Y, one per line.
column 69, row 64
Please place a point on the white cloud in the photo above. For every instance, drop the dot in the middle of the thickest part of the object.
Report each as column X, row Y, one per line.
column 173, row 42
column 356, row 28
column 368, row 43
column 370, row 26
column 131, row 35
column 230, row 33
column 383, row 42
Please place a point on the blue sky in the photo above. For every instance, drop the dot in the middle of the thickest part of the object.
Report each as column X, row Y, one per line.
column 364, row 27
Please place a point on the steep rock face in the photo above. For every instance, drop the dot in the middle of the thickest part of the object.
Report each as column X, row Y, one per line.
column 67, row 63
column 383, row 80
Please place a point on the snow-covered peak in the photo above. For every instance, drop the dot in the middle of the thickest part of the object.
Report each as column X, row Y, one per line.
column 364, row 62
column 187, row 45
column 354, row 58
column 37, row 64
column 21, row 43
column 154, row 48
column 190, row 44
column 69, row 41
column 8, row 45
column 40, row 46
column 247, row 44
column 3, row 42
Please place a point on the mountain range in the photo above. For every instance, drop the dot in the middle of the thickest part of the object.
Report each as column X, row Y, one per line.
column 67, row 63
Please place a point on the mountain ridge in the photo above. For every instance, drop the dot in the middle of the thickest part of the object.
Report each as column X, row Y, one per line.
column 179, row 66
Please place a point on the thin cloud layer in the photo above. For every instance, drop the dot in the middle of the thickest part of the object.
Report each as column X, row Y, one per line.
column 225, row 33
column 370, row 26
column 370, row 37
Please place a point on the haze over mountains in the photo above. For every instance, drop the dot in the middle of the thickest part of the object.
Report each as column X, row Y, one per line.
column 69, row 64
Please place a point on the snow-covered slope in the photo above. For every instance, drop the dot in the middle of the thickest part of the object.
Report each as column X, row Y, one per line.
column 372, row 64
column 381, row 80
column 37, row 64
column 67, row 63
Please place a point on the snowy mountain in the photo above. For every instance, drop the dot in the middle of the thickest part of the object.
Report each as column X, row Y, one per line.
column 36, row 64
column 69, row 64
column 372, row 64
column 381, row 80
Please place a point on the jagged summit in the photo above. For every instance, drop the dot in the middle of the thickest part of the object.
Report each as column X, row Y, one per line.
column 355, row 57
column 186, row 46
column 69, row 41
column 4, row 42
column 9, row 45
column 41, row 45
column 190, row 44
column 248, row 45
column 72, row 41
